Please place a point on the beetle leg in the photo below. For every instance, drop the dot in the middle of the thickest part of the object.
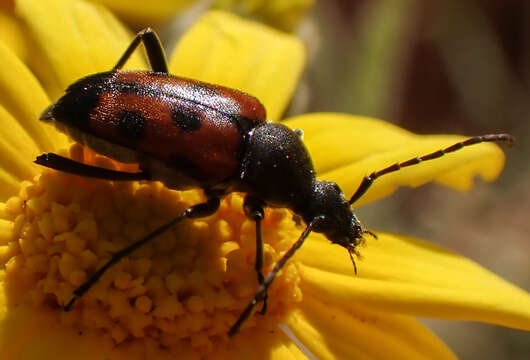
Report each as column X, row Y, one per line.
column 262, row 291
column 368, row 180
column 254, row 210
column 70, row 166
column 193, row 212
column 153, row 47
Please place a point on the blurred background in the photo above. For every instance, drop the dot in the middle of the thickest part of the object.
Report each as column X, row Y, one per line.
column 452, row 66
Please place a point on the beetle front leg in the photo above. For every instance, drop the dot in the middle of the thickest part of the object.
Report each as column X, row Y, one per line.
column 153, row 47
column 254, row 210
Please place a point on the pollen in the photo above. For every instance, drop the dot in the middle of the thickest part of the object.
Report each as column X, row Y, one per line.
column 181, row 292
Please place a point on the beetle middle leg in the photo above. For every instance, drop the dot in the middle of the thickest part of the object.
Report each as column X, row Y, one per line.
column 254, row 210
column 61, row 163
column 193, row 212
column 261, row 294
column 153, row 47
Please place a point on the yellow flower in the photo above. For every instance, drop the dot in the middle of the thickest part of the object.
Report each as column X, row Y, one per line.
column 178, row 296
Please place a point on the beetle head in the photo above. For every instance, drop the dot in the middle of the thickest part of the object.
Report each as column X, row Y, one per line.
column 335, row 218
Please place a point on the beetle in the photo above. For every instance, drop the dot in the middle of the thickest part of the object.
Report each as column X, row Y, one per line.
column 190, row 134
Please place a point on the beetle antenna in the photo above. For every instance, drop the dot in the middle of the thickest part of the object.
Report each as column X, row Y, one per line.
column 368, row 180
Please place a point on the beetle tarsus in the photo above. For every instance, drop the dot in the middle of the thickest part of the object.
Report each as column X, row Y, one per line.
column 68, row 306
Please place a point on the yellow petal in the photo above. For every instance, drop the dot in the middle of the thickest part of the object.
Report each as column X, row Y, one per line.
column 224, row 49
column 11, row 34
column 17, row 149
column 309, row 334
column 405, row 275
column 9, row 184
column 267, row 346
column 359, row 333
column 284, row 14
column 27, row 333
column 146, row 13
column 77, row 38
column 15, row 138
column 346, row 148
column 295, row 351
column 22, row 96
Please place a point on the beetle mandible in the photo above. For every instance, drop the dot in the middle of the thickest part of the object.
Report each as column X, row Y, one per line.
column 189, row 134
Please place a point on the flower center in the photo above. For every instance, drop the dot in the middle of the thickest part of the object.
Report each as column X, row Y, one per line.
column 183, row 289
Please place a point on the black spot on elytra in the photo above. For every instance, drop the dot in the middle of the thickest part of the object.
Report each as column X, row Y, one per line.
column 80, row 99
column 131, row 124
column 75, row 109
column 186, row 119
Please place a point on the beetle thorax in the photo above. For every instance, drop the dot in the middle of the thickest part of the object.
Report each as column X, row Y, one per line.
column 276, row 167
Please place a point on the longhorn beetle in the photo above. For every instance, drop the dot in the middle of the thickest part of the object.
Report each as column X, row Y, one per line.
column 190, row 134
